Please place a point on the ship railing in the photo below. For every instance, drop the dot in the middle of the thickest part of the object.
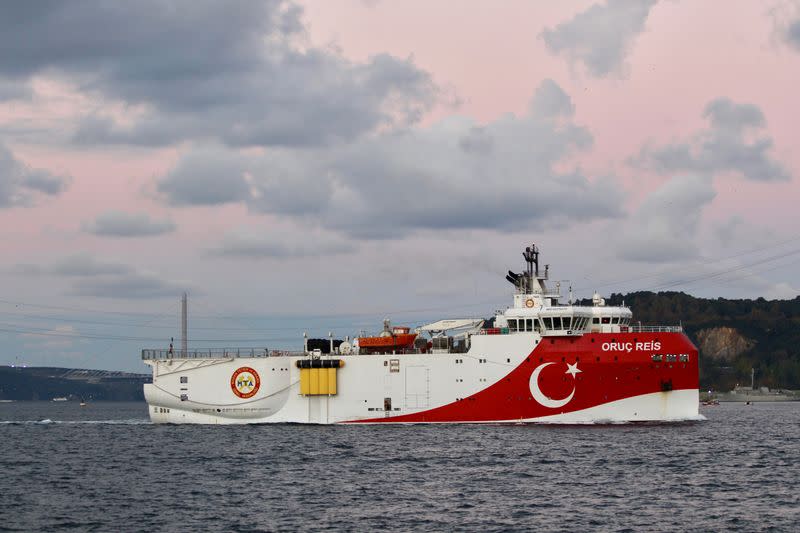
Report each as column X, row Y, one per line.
column 636, row 328
column 622, row 329
column 216, row 353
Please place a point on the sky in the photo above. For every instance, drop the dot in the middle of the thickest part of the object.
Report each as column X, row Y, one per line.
column 317, row 166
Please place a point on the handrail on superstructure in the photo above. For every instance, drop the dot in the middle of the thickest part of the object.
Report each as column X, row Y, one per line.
column 622, row 329
column 652, row 329
column 225, row 353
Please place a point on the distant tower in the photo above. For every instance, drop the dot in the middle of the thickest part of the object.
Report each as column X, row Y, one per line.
column 184, row 340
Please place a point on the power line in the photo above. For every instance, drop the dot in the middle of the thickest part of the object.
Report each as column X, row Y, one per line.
column 50, row 333
column 120, row 324
column 371, row 313
column 727, row 271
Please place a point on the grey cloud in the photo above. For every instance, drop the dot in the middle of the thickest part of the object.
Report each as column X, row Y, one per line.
column 793, row 34
column 105, row 279
column 730, row 116
column 120, row 224
column 551, row 101
column 241, row 72
column 44, row 182
column 663, row 228
column 476, row 140
column 247, row 244
column 76, row 265
column 17, row 181
column 14, row 90
column 135, row 285
column 208, row 176
column 728, row 230
column 84, row 265
column 730, row 144
column 452, row 174
column 601, row 36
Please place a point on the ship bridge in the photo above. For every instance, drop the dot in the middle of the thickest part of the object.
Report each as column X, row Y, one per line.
column 536, row 308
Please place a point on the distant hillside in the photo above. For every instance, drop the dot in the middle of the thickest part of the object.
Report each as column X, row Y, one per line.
column 46, row 383
column 733, row 335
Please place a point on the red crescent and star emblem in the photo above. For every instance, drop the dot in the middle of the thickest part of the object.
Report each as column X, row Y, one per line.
column 245, row 382
column 543, row 399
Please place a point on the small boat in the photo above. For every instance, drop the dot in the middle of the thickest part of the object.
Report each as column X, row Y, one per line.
column 712, row 401
column 83, row 403
column 60, row 399
column 391, row 339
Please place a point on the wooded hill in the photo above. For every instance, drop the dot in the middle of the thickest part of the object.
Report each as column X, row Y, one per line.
column 733, row 335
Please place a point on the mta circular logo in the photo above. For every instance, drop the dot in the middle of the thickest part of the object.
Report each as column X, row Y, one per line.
column 245, row 382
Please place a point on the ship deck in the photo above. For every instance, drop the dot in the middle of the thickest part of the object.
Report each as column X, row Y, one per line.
column 155, row 354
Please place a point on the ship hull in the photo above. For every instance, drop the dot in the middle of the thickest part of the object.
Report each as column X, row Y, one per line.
column 517, row 378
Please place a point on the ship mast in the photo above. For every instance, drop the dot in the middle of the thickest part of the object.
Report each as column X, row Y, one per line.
column 531, row 255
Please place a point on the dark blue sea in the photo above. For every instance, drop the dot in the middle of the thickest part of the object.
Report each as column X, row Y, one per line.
column 104, row 467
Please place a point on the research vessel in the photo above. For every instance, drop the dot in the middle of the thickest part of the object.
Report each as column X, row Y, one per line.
column 538, row 361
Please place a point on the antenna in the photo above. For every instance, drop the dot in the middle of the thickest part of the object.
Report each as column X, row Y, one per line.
column 531, row 255
column 184, row 340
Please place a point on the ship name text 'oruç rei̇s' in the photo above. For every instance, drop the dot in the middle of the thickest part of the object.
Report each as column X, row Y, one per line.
column 538, row 361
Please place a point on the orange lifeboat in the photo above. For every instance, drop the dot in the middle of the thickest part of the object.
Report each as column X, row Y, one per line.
column 391, row 339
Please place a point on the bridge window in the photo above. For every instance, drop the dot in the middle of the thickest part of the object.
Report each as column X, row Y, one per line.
column 528, row 324
column 596, row 320
column 548, row 322
column 512, row 324
column 606, row 320
column 536, row 326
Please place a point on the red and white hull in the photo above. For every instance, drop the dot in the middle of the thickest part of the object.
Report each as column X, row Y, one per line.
column 522, row 377
column 539, row 361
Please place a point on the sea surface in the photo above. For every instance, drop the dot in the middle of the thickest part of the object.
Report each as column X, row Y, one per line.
column 104, row 467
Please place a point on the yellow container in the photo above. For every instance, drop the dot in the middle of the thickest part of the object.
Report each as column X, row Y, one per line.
column 305, row 381
column 318, row 381
column 323, row 380
column 331, row 380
